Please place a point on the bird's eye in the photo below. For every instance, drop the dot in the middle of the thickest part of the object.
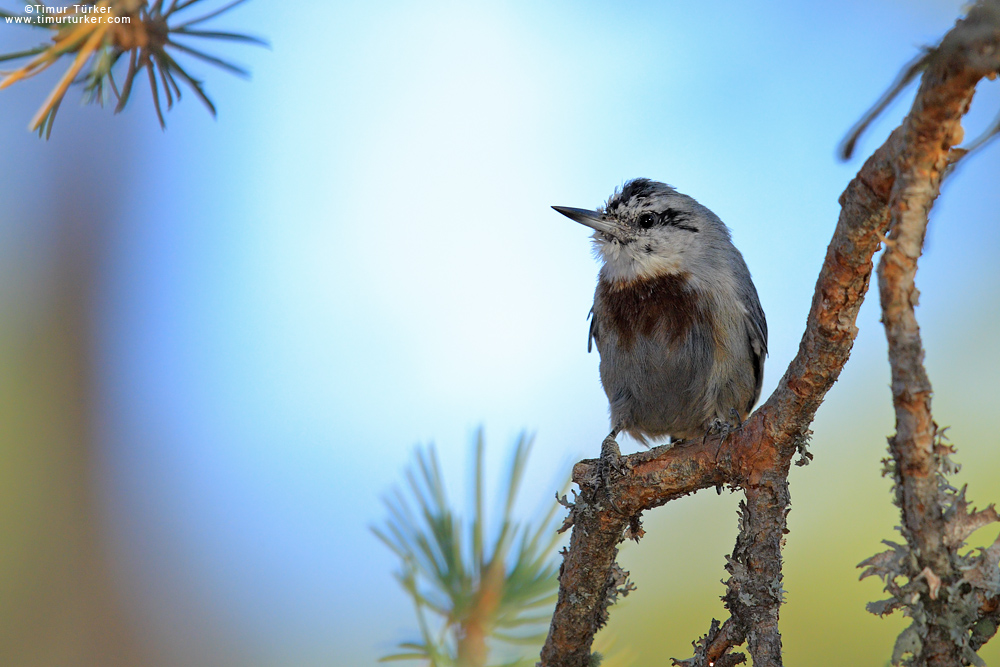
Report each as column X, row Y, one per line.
column 647, row 220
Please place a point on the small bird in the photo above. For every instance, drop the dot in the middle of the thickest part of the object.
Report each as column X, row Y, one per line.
column 676, row 317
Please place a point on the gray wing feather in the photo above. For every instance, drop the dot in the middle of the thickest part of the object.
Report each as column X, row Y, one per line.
column 756, row 325
column 592, row 333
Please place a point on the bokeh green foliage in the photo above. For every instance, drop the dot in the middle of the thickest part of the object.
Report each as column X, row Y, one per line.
column 474, row 595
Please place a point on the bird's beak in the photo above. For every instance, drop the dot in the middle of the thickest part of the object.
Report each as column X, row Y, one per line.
column 592, row 219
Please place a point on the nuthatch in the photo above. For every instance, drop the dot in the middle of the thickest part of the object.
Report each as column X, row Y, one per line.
column 676, row 318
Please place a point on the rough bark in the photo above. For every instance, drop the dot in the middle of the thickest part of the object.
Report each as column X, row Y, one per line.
column 929, row 132
column 587, row 570
column 754, row 591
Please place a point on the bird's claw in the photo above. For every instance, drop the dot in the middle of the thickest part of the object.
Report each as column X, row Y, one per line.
column 723, row 427
column 740, row 422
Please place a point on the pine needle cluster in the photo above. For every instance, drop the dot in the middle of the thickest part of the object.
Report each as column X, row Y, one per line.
column 473, row 595
column 96, row 36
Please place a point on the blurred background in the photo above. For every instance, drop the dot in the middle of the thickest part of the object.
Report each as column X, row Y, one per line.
column 219, row 344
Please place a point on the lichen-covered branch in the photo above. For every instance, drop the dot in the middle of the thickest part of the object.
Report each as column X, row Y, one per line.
column 930, row 508
column 758, row 457
column 584, row 577
column 713, row 650
column 754, row 592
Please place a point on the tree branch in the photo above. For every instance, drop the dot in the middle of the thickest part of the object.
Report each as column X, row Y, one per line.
column 967, row 54
column 713, row 649
column 754, row 592
column 584, row 576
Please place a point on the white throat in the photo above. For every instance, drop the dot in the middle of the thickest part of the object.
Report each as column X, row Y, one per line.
column 638, row 260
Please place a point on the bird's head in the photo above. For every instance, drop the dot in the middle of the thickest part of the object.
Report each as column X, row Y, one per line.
column 647, row 229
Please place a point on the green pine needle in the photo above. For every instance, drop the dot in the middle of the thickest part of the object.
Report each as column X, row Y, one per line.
column 507, row 585
column 148, row 37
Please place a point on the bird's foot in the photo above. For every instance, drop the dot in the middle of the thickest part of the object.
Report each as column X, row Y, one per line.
column 721, row 427
column 611, row 464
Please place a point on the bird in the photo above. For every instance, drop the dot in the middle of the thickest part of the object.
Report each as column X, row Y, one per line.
column 676, row 318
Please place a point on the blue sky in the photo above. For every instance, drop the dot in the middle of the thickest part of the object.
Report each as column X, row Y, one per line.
column 359, row 256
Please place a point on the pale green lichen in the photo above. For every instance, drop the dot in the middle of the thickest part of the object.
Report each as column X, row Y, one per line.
column 959, row 600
